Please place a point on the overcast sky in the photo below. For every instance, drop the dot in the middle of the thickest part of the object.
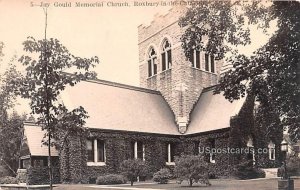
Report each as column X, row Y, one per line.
column 107, row 32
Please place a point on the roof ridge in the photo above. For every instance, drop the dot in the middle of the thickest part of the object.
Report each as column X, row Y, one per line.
column 120, row 85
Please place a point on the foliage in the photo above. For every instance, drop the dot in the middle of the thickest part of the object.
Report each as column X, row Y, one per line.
column 246, row 170
column 10, row 147
column 292, row 166
column 133, row 168
column 8, row 180
column 272, row 73
column 40, row 175
column 162, row 176
column 218, row 21
column 110, row 179
column 1, row 50
column 191, row 168
column 10, row 125
column 45, row 79
column 4, row 171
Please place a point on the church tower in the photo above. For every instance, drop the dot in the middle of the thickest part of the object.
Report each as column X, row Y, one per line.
column 164, row 67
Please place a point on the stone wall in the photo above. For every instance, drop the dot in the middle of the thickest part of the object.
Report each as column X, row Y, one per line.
column 181, row 85
column 118, row 149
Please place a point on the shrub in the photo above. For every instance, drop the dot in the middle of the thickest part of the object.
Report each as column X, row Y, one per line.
column 8, row 180
column 246, row 170
column 110, row 179
column 4, row 171
column 191, row 168
column 292, row 167
column 133, row 168
column 162, row 176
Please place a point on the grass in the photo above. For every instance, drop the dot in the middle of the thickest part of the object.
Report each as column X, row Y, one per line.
column 262, row 184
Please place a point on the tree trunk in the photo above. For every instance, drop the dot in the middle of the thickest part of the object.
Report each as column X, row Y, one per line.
column 131, row 182
column 191, row 182
column 49, row 162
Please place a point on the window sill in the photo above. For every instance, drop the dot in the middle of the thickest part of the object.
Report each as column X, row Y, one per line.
column 170, row 163
column 204, row 70
column 96, row 164
column 166, row 70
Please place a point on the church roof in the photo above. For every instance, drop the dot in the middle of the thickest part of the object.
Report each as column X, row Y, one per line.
column 212, row 112
column 113, row 106
column 34, row 136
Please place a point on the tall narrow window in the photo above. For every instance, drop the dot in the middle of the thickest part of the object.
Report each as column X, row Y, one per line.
column 196, row 59
column 271, row 147
column 170, row 154
column 250, row 146
column 212, row 156
column 90, row 150
column 166, row 56
column 152, row 63
column 212, row 63
column 138, row 150
column 206, row 62
column 100, row 151
column 95, row 152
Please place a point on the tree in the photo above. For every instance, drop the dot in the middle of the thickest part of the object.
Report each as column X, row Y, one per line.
column 10, row 147
column 191, row 168
column 10, row 125
column 133, row 168
column 272, row 73
column 45, row 79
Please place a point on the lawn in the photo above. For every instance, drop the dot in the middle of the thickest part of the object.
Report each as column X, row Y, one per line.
column 261, row 184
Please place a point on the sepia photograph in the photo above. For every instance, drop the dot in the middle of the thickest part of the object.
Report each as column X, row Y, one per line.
column 149, row 95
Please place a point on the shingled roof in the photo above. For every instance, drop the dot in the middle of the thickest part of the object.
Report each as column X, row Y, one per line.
column 212, row 112
column 34, row 136
column 118, row 107
column 113, row 106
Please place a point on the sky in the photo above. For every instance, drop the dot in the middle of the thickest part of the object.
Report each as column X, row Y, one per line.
column 107, row 32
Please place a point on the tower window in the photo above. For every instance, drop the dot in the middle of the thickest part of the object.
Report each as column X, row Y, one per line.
column 196, row 59
column 210, row 63
column 152, row 63
column 166, row 56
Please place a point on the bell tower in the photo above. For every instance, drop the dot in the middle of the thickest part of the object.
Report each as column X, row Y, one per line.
column 164, row 67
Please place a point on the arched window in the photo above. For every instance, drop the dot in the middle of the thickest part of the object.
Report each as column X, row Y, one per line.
column 166, row 56
column 152, row 62
column 271, row 147
column 251, row 154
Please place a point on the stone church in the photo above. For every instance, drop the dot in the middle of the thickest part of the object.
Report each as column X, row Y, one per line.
column 173, row 112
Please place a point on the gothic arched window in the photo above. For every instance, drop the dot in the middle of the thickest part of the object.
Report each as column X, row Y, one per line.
column 166, row 56
column 271, row 147
column 152, row 62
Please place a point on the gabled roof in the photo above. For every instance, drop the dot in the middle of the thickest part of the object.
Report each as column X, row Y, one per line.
column 33, row 137
column 212, row 112
column 113, row 106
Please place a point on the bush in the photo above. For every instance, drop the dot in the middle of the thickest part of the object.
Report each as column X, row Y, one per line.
column 191, row 168
column 133, row 168
column 246, row 170
column 8, row 180
column 110, row 179
column 162, row 176
column 292, row 166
